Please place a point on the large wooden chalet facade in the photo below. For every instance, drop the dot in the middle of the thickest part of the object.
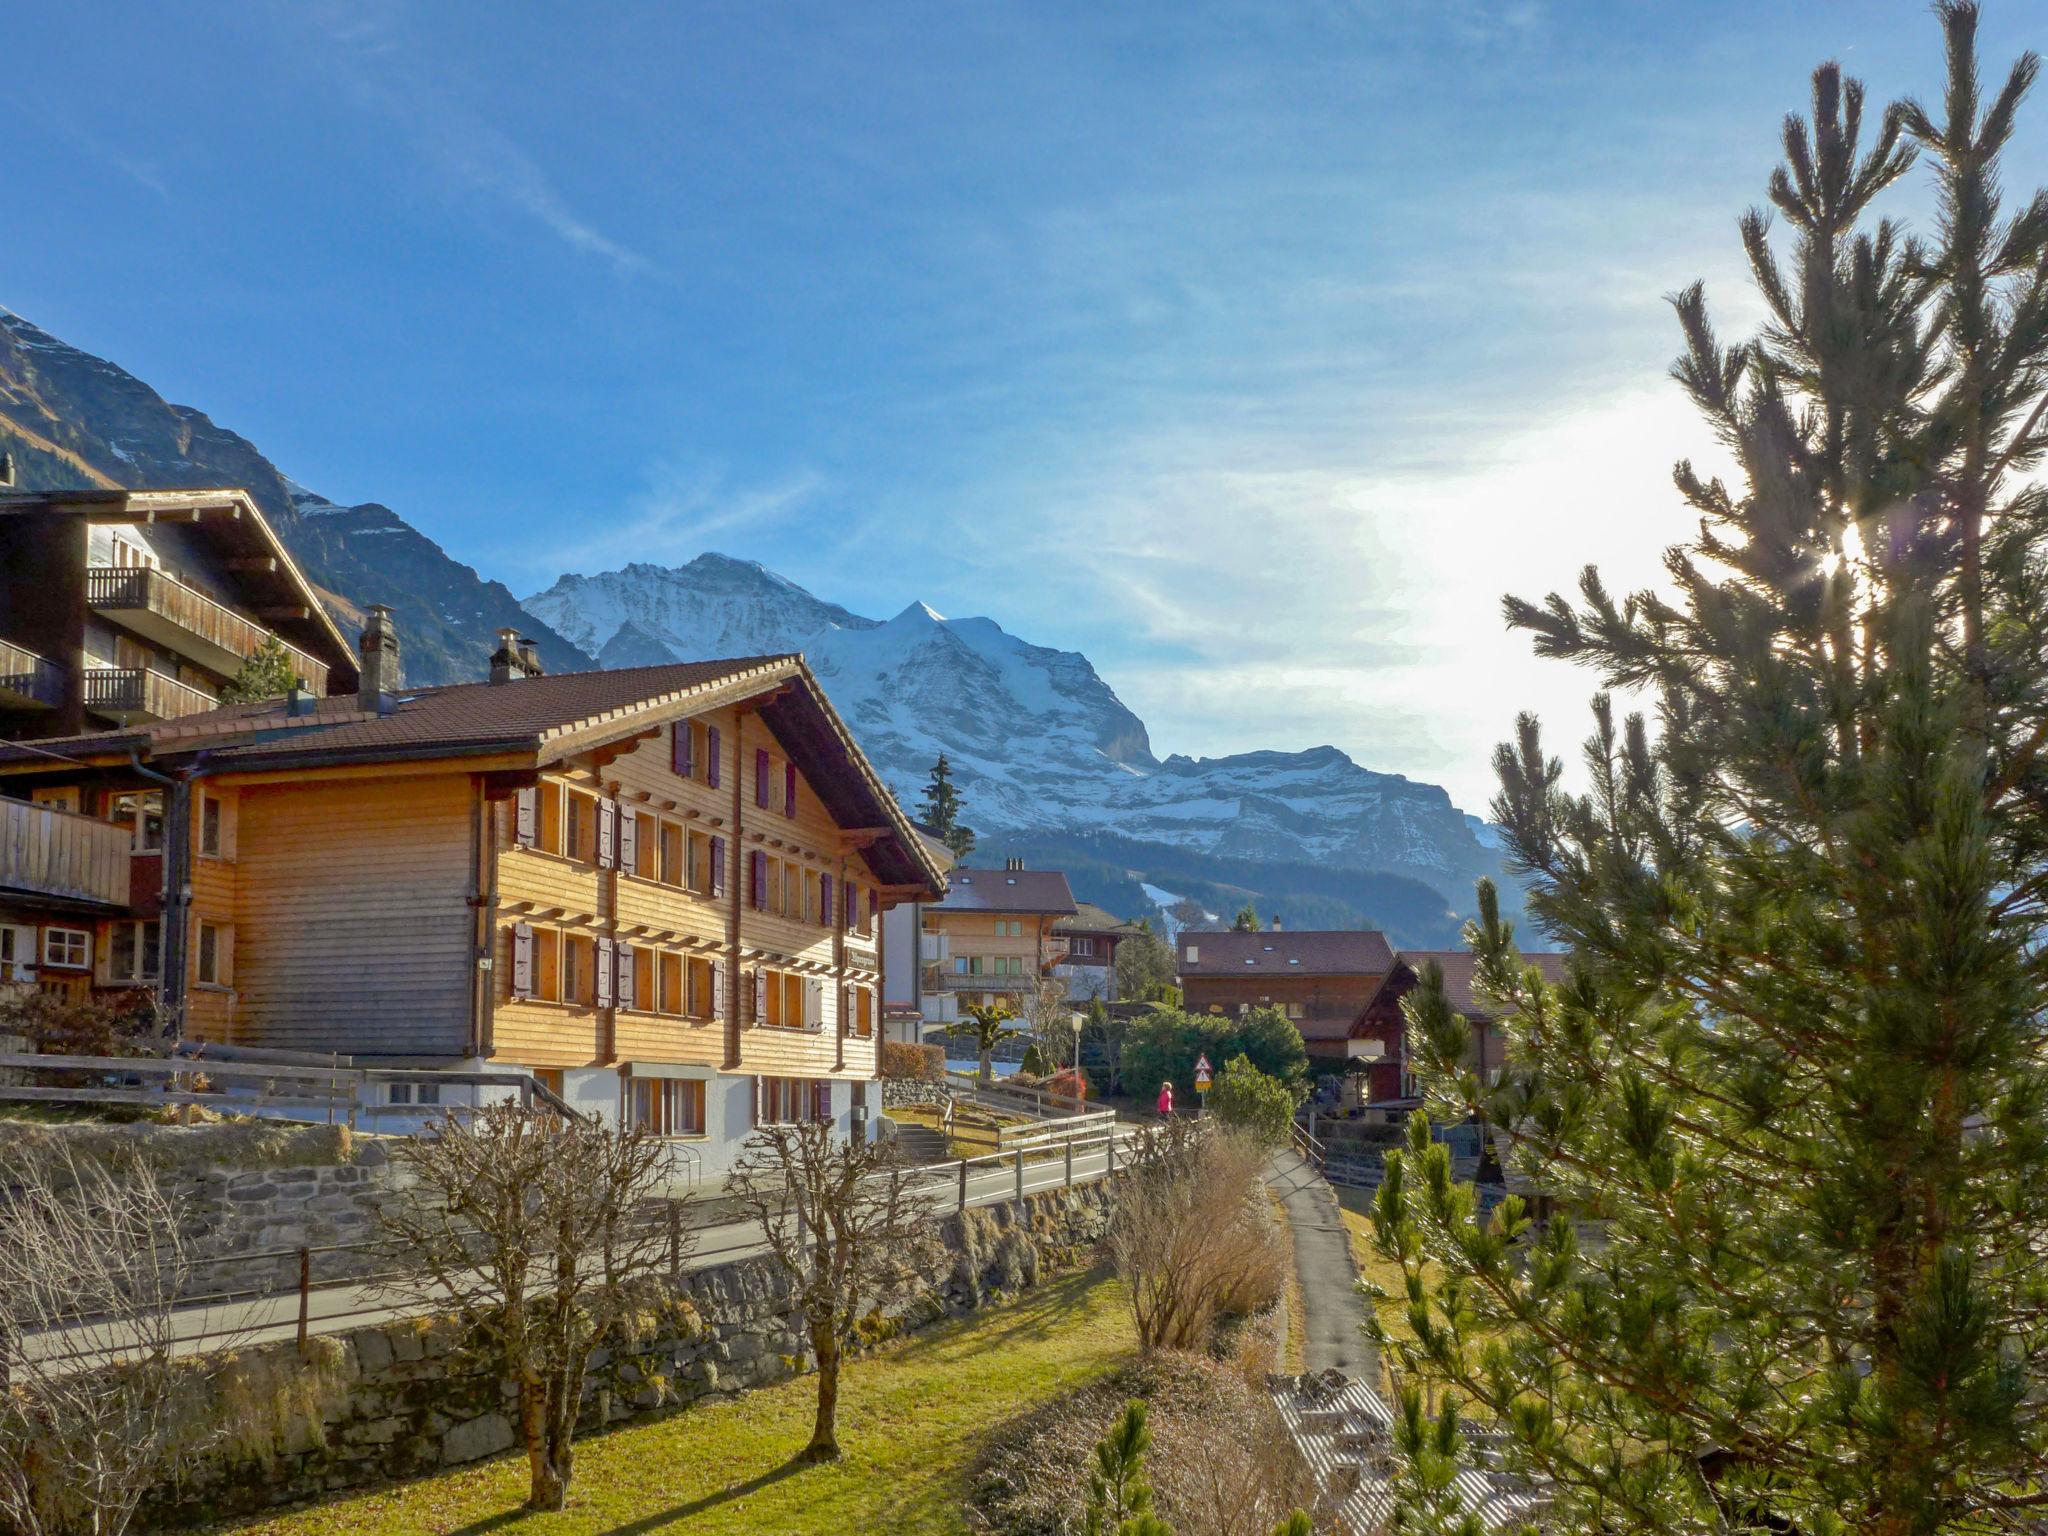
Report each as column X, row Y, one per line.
column 659, row 889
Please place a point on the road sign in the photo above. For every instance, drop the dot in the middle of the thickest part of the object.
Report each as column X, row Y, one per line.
column 1203, row 1074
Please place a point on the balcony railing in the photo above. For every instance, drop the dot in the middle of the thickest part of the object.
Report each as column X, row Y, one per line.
column 54, row 853
column 27, row 679
column 188, row 621
column 133, row 695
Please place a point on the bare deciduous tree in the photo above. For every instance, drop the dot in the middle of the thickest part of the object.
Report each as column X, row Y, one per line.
column 1192, row 1235
column 91, row 1268
column 843, row 1220
column 534, row 1228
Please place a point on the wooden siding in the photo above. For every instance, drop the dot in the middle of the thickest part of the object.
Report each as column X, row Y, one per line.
column 56, row 853
column 563, row 894
column 351, row 916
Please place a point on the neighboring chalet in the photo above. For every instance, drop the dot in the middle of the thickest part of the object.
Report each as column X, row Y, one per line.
column 127, row 607
column 1390, row 1082
column 1322, row 980
column 658, row 889
column 992, row 939
column 1091, row 936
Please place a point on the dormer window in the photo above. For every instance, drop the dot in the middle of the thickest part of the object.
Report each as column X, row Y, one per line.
column 1194, row 953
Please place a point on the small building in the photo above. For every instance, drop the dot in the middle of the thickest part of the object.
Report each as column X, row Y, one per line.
column 1321, row 979
column 903, row 945
column 1390, row 1081
column 123, row 607
column 657, row 889
column 993, row 938
column 1091, row 936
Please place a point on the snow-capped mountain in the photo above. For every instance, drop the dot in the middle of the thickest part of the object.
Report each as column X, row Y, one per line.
column 1039, row 743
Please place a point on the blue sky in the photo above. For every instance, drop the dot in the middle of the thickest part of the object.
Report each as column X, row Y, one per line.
column 1252, row 349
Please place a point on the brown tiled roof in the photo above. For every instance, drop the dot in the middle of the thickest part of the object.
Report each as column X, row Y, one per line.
column 1007, row 890
column 1089, row 918
column 1461, row 965
column 1289, row 952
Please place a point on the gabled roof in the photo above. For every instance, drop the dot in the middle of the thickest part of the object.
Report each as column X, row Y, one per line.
column 1460, row 968
column 230, row 517
column 1089, row 918
column 1008, row 890
column 541, row 720
column 1288, row 952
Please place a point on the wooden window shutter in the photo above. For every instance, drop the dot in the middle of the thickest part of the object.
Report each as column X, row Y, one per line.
column 607, row 833
column 757, row 863
column 814, row 1003
column 821, row 1099
column 760, row 996
column 720, row 1003
column 789, row 789
column 761, row 776
column 679, row 748
column 522, row 960
column 718, row 866
column 849, row 905
column 607, row 971
column 756, row 1120
column 711, row 739
column 825, row 907
column 624, row 988
column 525, row 815
column 629, row 841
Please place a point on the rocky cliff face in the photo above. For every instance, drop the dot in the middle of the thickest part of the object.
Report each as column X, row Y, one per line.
column 72, row 419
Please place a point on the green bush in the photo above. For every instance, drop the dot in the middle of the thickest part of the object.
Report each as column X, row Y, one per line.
column 1247, row 1100
column 1166, row 1043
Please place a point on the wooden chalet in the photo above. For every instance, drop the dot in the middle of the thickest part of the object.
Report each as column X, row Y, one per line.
column 1390, row 1082
column 1322, row 979
column 659, row 888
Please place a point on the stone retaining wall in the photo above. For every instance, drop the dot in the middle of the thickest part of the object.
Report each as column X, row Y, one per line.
column 912, row 1093
column 403, row 1399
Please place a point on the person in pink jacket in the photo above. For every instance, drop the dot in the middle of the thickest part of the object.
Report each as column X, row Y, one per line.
column 1166, row 1098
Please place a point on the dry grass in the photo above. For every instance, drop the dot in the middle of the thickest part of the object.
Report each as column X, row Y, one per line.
column 975, row 1130
column 1294, row 1348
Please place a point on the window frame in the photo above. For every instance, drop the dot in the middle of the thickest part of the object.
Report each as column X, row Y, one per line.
column 213, row 954
column 67, row 934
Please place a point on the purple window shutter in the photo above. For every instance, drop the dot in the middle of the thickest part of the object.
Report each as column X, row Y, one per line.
column 789, row 789
column 717, row 866
column 679, row 748
column 825, row 907
column 757, row 869
column 522, row 960
column 525, row 816
column 711, row 755
column 761, row 777
column 607, row 971
column 849, row 907
column 821, row 1099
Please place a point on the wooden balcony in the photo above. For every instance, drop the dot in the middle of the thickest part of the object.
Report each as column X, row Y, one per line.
column 71, row 859
column 136, row 696
column 27, row 681
column 187, row 621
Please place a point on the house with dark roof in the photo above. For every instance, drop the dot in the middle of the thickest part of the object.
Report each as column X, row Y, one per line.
column 1390, row 1082
column 1091, row 937
column 993, row 938
column 657, row 889
column 119, row 607
column 1321, row 979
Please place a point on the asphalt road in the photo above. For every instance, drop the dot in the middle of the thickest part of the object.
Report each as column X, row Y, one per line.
column 340, row 1307
column 1332, row 1327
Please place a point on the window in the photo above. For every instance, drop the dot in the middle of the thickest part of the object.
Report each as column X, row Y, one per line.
column 212, row 841
column 1193, row 953
column 1294, row 1010
column 63, row 799
column 210, row 963
column 794, row 1012
column 1080, row 946
column 646, row 846
column 700, row 863
column 668, row 1106
column 547, row 964
column 547, row 832
column 579, row 969
column 142, row 812
column 413, row 1093
column 17, row 952
column 790, row 1100
column 581, row 841
column 644, row 995
column 133, row 952
column 701, row 1004
column 672, row 871
column 672, row 998
column 67, row 947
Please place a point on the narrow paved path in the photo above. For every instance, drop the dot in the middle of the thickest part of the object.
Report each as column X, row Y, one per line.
column 1334, row 1312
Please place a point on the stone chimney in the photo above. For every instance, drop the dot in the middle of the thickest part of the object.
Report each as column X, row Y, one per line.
column 1276, row 925
column 506, row 662
column 530, row 657
column 1013, row 866
column 381, row 675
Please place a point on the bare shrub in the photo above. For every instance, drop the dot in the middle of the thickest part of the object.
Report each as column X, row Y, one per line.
column 532, row 1228
column 1193, row 1236
column 904, row 1062
column 91, row 1265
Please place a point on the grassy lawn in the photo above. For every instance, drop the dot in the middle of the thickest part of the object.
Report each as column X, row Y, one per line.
column 912, row 1420
column 1384, row 1273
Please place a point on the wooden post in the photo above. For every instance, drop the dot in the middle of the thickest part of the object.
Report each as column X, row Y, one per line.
column 1112, row 1149
column 675, row 1239
column 963, row 1183
column 1020, row 1173
column 305, row 1293
column 1070, row 1162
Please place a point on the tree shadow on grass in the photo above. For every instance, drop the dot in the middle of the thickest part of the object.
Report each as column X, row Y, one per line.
column 679, row 1512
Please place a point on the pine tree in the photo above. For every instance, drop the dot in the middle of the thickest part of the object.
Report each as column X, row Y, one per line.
column 1796, row 1081
column 1247, row 919
column 267, row 673
column 1119, row 1497
column 941, row 811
